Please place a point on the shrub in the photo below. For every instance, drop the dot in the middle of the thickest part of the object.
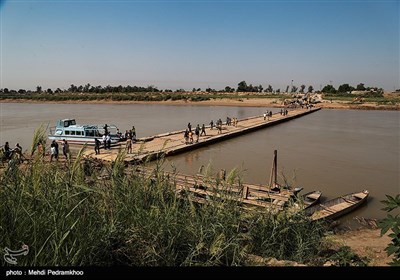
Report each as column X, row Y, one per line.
column 392, row 223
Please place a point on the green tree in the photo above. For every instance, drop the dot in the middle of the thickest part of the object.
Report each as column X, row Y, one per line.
column 39, row 89
column 310, row 89
column 73, row 88
column 86, row 88
column 269, row 89
column 287, row 89
column 229, row 89
column 302, row 87
column 392, row 223
column 329, row 89
column 345, row 88
column 360, row 86
column 242, row 86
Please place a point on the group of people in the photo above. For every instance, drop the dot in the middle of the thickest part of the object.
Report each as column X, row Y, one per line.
column 106, row 141
column 54, row 150
column 129, row 136
column 284, row 112
column 231, row 121
column 267, row 114
column 188, row 134
column 218, row 125
column 8, row 153
column 200, row 131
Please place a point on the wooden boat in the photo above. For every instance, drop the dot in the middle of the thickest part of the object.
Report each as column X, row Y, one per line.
column 311, row 198
column 337, row 207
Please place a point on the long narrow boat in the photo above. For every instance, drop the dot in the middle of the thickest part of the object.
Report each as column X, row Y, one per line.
column 337, row 207
column 311, row 198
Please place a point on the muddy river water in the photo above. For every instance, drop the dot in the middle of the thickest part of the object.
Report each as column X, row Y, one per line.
column 335, row 151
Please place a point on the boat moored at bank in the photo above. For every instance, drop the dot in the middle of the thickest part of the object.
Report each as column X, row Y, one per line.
column 75, row 133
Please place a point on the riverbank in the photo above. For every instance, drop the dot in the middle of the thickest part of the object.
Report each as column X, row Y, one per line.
column 365, row 240
column 245, row 102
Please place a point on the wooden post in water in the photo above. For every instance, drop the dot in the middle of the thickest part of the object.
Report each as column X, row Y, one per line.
column 273, row 179
column 275, row 168
column 245, row 192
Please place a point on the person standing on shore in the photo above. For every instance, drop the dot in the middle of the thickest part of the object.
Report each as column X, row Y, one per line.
column 105, row 129
column 104, row 141
column 53, row 150
column 65, row 149
column 96, row 146
column 133, row 133
column 57, row 150
column 40, row 149
column 7, row 151
column 108, row 140
column 128, row 146
column 18, row 151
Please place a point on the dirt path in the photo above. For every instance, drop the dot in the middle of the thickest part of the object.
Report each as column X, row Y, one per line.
column 367, row 243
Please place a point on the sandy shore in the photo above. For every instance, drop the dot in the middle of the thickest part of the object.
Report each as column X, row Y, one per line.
column 367, row 242
column 246, row 102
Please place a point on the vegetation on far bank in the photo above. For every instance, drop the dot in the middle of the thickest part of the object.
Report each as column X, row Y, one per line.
column 345, row 92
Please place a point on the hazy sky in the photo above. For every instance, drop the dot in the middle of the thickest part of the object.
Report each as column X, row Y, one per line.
column 198, row 43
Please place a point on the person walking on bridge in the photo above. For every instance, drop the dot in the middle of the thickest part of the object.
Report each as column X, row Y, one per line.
column 203, row 130
column 197, row 132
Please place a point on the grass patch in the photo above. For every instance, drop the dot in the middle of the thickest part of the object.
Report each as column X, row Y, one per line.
column 69, row 215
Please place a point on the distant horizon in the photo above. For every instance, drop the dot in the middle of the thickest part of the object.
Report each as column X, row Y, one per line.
column 199, row 44
column 282, row 89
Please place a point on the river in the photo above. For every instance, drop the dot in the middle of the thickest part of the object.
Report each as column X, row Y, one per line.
column 334, row 151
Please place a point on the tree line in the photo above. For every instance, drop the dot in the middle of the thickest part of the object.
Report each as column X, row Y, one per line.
column 241, row 87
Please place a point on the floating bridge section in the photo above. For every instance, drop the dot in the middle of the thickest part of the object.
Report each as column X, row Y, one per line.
column 172, row 143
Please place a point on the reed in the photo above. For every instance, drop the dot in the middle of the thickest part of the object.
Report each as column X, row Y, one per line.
column 72, row 215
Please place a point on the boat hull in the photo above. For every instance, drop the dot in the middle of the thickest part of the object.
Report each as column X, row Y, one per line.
column 79, row 140
column 311, row 198
column 336, row 208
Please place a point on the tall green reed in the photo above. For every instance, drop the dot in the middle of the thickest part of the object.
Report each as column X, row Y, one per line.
column 68, row 214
